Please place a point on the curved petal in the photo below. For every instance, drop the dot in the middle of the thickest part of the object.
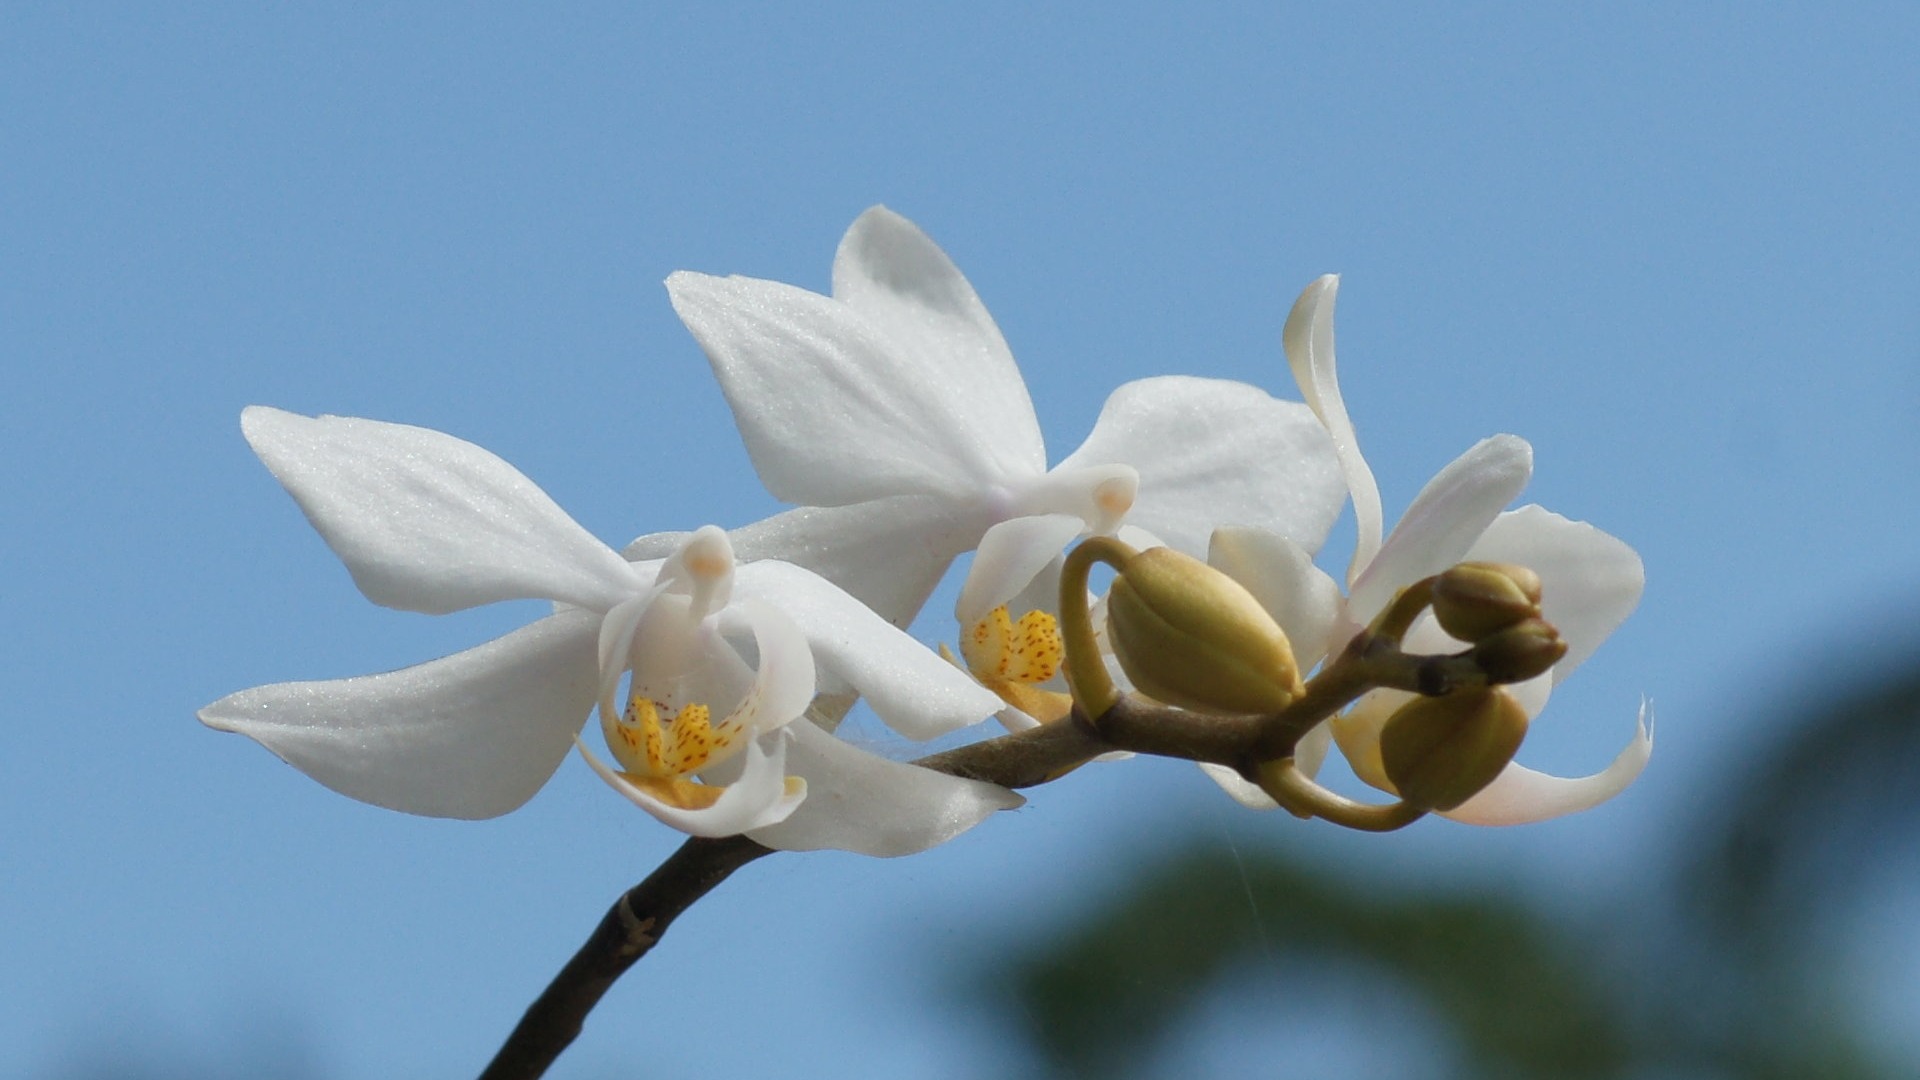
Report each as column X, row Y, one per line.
column 911, row 689
column 859, row 802
column 783, row 681
column 1010, row 556
column 1281, row 575
column 900, row 281
column 888, row 553
column 472, row 735
column 614, row 645
column 1520, row 796
column 832, row 410
column 1214, row 452
column 427, row 522
column 1445, row 520
column 1308, row 341
column 762, row 795
column 1590, row 581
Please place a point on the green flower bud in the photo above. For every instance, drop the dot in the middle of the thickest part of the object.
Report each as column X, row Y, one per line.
column 1441, row 751
column 1477, row 599
column 1519, row 652
column 1189, row 635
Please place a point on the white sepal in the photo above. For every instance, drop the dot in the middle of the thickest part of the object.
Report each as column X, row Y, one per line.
column 472, row 735
column 831, row 411
column 1308, row 341
column 1590, row 580
column 427, row 522
column 900, row 281
column 1521, row 796
column 863, row 803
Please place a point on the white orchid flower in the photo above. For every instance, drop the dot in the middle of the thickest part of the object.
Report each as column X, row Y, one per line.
column 1590, row 583
column 892, row 412
column 427, row 522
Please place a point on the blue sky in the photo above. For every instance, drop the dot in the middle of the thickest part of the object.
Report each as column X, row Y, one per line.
column 1673, row 246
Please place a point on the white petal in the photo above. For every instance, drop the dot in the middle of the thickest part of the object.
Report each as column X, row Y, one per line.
column 888, row 553
column 615, row 644
column 472, row 735
column 862, row 803
column 1212, row 452
column 1520, row 796
column 1311, row 752
column 428, row 522
column 1011, row 554
column 902, row 283
column 759, row 797
column 1308, row 340
column 1246, row 794
column 783, row 682
column 1590, row 581
column 1445, row 519
column 911, row 689
column 1281, row 575
column 833, row 411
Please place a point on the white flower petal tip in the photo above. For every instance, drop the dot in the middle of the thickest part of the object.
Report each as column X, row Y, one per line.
column 472, row 735
column 428, row 522
column 898, row 384
column 1307, row 339
column 1521, row 796
column 865, row 804
column 762, row 795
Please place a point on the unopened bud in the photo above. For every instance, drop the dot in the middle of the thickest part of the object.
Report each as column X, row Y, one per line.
column 1189, row 635
column 1441, row 751
column 1519, row 652
column 1477, row 599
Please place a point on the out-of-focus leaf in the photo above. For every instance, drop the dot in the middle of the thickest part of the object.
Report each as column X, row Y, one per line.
column 1512, row 988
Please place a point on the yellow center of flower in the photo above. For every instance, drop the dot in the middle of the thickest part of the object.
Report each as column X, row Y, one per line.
column 649, row 746
column 1011, row 658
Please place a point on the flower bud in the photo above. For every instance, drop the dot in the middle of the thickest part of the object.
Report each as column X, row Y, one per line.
column 1189, row 635
column 1476, row 599
column 1519, row 652
column 1441, row 751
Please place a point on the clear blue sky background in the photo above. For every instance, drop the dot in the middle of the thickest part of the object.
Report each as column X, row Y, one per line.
column 1675, row 246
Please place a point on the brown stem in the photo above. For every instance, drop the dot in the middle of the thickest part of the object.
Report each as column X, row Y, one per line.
column 628, row 932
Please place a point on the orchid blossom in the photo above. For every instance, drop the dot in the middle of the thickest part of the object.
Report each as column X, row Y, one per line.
column 1591, row 582
column 427, row 522
column 893, row 414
